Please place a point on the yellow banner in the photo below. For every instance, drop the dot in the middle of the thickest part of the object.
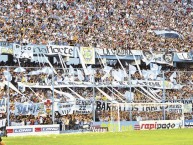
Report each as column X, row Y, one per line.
column 88, row 54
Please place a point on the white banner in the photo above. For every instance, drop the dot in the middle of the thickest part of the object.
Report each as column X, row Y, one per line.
column 3, row 105
column 23, row 51
column 160, row 124
column 29, row 108
column 32, row 130
column 155, row 84
column 63, row 50
column 83, row 107
column 65, row 108
column 104, row 105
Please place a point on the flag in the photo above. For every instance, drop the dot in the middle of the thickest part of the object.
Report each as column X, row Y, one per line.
column 147, row 57
column 172, row 77
column 132, row 69
column 116, row 75
column 80, row 75
column 107, row 69
column 71, row 70
column 88, row 55
column 7, row 75
column 89, row 71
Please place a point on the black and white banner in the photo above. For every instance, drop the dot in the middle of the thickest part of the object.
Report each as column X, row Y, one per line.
column 106, row 106
column 119, row 52
column 65, row 108
column 59, row 49
column 83, row 107
column 23, row 51
column 39, row 49
column 184, row 56
column 160, row 57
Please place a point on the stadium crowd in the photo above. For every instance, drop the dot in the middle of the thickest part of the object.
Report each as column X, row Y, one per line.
column 125, row 24
column 79, row 120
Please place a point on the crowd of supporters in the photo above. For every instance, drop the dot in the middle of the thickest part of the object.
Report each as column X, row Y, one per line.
column 37, row 95
column 125, row 24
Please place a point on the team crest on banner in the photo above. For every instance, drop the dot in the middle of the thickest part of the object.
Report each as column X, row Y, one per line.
column 88, row 54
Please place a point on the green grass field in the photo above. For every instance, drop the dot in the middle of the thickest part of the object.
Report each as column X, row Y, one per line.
column 156, row 137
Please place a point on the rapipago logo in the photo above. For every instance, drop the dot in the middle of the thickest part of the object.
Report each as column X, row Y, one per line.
column 23, row 130
column 50, row 128
column 158, row 126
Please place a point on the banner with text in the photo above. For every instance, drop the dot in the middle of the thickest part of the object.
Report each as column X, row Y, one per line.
column 23, row 51
column 160, row 124
column 29, row 108
column 59, row 49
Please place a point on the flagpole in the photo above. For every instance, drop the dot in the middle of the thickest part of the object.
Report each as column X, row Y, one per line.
column 164, row 96
column 93, row 104
column 8, row 98
column 130, row 113
column 94, row 115
column 53, row 97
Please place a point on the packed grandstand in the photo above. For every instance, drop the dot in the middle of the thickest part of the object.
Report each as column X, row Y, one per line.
column 67, row 62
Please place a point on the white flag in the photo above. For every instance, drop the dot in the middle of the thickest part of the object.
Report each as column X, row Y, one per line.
column 172, row 77
column 80, row 75
column 132, row 69
column 71, row 71
column 107, row 69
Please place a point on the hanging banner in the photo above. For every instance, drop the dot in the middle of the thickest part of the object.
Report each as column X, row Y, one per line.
column 157, row 57
column 155, row 84
column 83, row 107
column 119, row 52
column 23, row 51
column 2, row 105
column 88, row 54
column 65, row 108
column 103, row 105
column 39, row 49
column 59, row 49
column 184, row 56
column 29, row 108
column 106, row 106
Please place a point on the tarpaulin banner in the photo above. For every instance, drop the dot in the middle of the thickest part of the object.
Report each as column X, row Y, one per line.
column 23, row 51
column 59, row 49
column 29, row 108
